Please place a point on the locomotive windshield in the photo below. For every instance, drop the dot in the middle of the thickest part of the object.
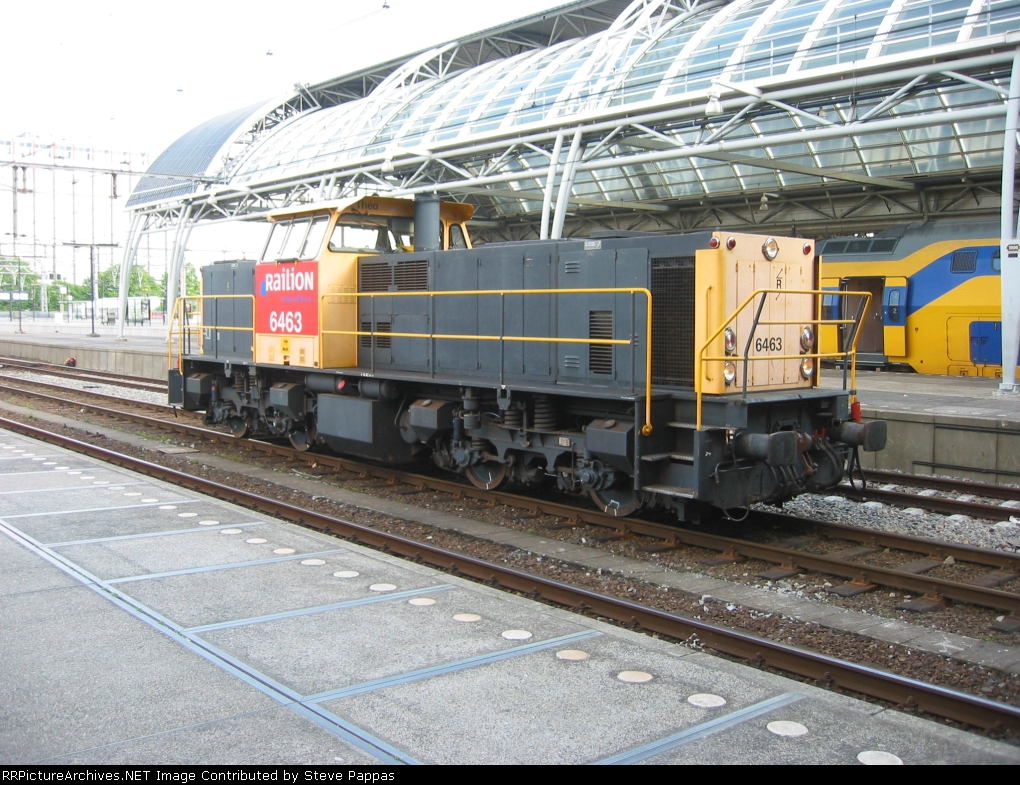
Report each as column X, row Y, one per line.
column 291, row 241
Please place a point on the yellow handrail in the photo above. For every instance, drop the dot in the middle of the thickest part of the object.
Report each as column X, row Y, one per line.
column 646, row 429
column 849, row 354
column 183, row 328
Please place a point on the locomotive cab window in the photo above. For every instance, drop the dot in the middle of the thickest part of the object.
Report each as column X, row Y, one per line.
column 457, row 237
column 371, row 234
column 291, row 241
column 997, row 261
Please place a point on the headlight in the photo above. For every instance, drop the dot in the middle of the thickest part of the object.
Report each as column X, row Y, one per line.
column 730, row 340
column 770, row 248
column 807, row 368
column 807, row 338
column 729, row 372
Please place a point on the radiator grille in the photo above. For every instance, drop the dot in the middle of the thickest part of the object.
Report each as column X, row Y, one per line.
column 381, row 341
column 412, row 276
column 600, row 356
column 673, row 321
column 376, row 276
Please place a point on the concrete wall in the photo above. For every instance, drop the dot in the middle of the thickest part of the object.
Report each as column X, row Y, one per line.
column 973, row 448
column 145, row 363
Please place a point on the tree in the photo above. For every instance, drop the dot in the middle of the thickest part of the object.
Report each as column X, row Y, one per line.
column 142, row 284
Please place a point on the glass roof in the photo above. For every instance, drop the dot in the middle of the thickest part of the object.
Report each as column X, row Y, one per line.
column 738, row 41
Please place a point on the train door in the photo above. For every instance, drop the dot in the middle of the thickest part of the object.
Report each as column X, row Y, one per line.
column 894, row 312
column 872, row 334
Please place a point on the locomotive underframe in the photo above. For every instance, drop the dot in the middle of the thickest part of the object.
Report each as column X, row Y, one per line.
column 766, row 447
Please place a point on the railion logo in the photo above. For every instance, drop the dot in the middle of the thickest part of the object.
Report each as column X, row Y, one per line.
column 288, row 280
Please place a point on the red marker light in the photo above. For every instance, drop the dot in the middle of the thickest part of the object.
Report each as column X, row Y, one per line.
column 807, row 248
column 731, row 243
column 713, row 242
column 341, row 383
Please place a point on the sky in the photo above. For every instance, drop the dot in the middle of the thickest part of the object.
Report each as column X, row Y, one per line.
column 142, row 74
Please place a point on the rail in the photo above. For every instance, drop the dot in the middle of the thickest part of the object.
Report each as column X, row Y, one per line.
column 646, row 429
column 185, row 330
column 849, row 342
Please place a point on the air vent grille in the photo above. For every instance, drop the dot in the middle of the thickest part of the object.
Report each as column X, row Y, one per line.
column 600, row 356
column 412, row 276
column 673, row 321
column 376, row 276
column 381, row 341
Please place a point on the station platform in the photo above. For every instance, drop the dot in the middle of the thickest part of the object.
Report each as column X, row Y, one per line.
column 949, row 425
column 145, row 624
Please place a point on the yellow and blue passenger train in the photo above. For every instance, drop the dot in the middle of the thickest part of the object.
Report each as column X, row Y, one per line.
column 935, row 298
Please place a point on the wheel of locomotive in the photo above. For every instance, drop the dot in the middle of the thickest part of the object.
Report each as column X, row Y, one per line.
column 488, row 475
column 240, row 424
column 620, row 500
column 302, row 439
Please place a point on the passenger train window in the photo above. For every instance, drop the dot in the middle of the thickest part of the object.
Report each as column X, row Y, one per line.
column 885, row 245
column 963, row 262
column 858, row 246
column 834, row 246
column 997, row 261
column 894, row 305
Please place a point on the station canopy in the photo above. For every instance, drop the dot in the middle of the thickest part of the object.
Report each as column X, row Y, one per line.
column 650, row 103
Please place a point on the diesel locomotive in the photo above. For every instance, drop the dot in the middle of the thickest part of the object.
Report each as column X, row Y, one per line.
column 645, row 370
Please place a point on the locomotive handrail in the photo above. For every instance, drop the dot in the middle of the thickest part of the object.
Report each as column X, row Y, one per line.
column 849, row 353
column 646, row 429
column 185, row 330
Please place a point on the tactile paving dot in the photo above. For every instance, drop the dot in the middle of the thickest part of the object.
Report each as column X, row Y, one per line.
column 572, row 655
column 422, row 601
column 467, row 617
column 516, row 635
column 168, row 506
column 381, row 587
column 704, row 700
column 133, row 493
column 634, row 677
column 29, row 454
column 256, row 541
column 878, row 758
column 83, row 476
column 786, row 728
column 50, row 463
column 208, row 523
column 230, row 531
column 187, row 515
column 346, row 574
column 313, row 562
column 149, row 501
column 71, row 474
column 115, row 488
column 281, row 551
column 64, row 468
column 39, row 459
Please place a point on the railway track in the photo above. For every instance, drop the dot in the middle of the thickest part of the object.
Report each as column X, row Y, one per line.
column 824, row 670
column 956, row 573
column 79, row 374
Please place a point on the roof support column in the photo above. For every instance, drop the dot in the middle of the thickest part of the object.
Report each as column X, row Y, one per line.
column 126, row 264
column 550, row 183
column 566, row 183
column 173, row 273
column 1009, row 250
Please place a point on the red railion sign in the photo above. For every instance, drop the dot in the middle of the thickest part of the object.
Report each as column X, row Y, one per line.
column 287, row 298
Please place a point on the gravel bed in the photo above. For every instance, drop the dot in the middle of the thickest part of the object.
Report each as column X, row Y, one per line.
column 958, row 529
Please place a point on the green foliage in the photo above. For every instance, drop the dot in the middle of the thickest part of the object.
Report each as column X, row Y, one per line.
column 108, row 284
